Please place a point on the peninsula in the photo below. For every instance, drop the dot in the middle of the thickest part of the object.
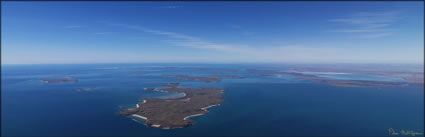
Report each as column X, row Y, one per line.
column 174, row 113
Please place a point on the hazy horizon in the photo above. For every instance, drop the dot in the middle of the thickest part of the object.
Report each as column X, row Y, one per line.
column 256, row 63
column 212, row 32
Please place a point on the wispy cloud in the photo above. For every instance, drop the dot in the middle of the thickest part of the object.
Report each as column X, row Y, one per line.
column 74, row 26
column 376, row 35
column 368, row 24
column 361, row 30
column 157, row 32
column 101, row 33
column 258, row 52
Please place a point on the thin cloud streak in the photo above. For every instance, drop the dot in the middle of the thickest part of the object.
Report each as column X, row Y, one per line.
column 361, row 30
column 370, row 24
column 378, row 35
column 74, row 26
column 157, row 32
column 276, row 53
column 101, row 33
column 369, row 18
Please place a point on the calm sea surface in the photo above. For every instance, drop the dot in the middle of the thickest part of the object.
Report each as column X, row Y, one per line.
column 255, row 105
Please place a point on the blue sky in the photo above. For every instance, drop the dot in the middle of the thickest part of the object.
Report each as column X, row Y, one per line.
column 212, row 32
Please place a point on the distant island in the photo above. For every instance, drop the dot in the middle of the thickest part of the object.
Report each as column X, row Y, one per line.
column 175, row 113
column 225, row 76
column 411, row 76
column 210, row 78
column 59, row 80
column 358, row 83
column 338, row 83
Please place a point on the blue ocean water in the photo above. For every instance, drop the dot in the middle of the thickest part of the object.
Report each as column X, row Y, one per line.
column 255, row 105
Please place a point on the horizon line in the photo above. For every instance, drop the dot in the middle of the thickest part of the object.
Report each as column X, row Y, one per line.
column 312, row 63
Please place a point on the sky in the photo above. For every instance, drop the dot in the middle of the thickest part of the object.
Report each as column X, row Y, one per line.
column 212, row 32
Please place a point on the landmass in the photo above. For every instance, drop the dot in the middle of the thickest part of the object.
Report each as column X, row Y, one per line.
column 199, row 78
column 359, row 83
column 59, row 80
column 214, row 69
column 339, row 83
column 210, row 78
column 191, row 68
column 225, row 76
column 175, row 113
column 411, row 74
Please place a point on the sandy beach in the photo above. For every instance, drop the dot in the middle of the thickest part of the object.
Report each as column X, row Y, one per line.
column 204, row 109
column 139, row 116
column 155, row 125
column 156, row 89
column 137, row 105
column 192, row 116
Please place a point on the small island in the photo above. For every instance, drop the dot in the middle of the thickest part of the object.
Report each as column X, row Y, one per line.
column 175, row 113
column 59, row 80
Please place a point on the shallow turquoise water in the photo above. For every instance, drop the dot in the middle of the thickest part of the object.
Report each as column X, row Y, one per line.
column 253, row 106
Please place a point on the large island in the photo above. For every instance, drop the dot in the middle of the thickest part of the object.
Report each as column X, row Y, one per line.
column 174, row 113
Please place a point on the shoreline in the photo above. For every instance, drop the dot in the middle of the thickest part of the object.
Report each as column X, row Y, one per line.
column 137, row 105
column 194, row 115
column 139, row 116
column 207, row 107
column 162, row 115
column 158, row 89
column 156, row 125
column 204, row 109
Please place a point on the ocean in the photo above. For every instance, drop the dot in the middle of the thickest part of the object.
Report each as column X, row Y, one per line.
column 254, row 105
